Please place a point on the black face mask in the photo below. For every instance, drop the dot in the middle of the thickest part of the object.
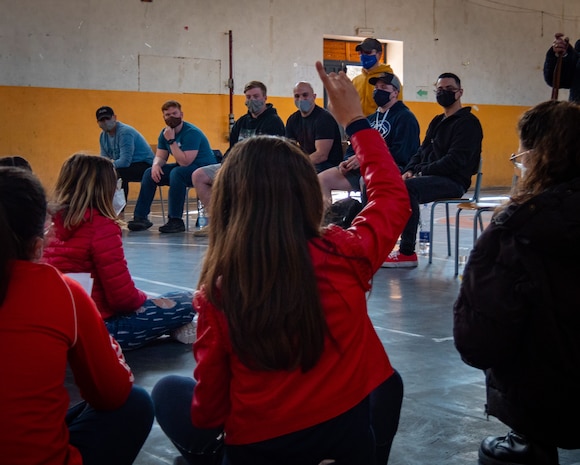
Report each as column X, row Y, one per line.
column 446, row 98
column 381, row 97
column 172, row 121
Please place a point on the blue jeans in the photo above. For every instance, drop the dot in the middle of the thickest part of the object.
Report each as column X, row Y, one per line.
column 114, row 437
column 135, row 329
column 365, row 432
column 425, row 189
column 178, row 178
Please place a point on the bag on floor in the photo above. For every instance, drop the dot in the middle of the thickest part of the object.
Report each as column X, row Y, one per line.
column 343, row 211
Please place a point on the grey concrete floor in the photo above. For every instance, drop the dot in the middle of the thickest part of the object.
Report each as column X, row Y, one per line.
column 442, row 419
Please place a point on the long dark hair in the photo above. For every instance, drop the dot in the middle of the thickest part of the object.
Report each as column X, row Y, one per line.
column 551, row 131
column 266, row 205
column 22, row 219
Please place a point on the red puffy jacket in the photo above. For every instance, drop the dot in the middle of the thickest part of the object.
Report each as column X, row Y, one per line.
column 95, row 246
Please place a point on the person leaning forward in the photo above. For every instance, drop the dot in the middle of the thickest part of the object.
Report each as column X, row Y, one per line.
column 130, row 152
column 191, row 149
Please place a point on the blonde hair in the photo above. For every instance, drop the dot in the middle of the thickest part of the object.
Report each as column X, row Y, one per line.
column 85, row 182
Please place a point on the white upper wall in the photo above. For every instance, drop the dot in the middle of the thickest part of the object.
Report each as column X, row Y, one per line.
column 182, row 45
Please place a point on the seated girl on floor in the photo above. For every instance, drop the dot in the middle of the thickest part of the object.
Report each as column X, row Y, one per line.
column 86, row 237
column 46, row 321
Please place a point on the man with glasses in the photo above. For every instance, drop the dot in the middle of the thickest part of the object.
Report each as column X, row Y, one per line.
column 370, row 52
column 443, row 165
column 130, row 152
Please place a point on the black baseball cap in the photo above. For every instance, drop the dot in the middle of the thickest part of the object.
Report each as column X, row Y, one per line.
column 368, row 45
column 104, row 112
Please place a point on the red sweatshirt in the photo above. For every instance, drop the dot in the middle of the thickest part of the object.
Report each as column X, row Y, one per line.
column 258, row 405
column 46, row 321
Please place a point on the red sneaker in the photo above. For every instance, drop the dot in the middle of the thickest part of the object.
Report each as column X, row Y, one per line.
column 398, row 260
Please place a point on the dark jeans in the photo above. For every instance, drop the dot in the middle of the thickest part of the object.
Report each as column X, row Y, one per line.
column 425, row 189
column 178, row 178
column 114, row 437
column 132, row 173
column 361, row 436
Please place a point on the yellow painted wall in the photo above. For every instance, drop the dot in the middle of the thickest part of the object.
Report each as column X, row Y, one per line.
column 47, row 125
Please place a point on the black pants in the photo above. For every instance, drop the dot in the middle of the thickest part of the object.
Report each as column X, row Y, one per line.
column 132, row 173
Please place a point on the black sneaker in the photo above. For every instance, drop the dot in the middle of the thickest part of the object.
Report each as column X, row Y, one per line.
column 139, row 224
column 515, row 449
column 174, row 225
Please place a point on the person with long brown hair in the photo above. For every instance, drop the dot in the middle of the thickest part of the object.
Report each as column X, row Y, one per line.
column 289, row 367
column 85, row 237
column 48, row 322
column 517, row 315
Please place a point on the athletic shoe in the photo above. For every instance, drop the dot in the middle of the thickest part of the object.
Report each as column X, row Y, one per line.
column 398, row 260
column 515, row 449
column 139, row 224
column 174, row 225
column 201, row 232
column 186, row 334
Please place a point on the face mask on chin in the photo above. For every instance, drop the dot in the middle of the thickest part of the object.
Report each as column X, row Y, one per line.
column 255, row 106
column 446, row 98
column 381, row 97
column 368, row 61
column 173, row 122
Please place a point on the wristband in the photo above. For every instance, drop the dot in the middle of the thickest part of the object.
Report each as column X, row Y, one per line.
column 171, row 141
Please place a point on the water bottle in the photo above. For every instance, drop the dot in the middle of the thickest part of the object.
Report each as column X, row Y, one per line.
column 201, row 216
column 424, row 230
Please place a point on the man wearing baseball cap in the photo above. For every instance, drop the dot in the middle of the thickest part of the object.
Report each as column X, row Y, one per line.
column 370, row 51
column 397, row 125
column 130, row 152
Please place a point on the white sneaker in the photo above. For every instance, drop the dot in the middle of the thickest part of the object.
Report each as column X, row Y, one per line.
column 187, row 333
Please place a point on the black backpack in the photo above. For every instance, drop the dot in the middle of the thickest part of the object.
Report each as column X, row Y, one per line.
column 343, row 211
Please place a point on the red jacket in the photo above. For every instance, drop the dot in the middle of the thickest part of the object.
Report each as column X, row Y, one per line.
column 47, row 321
column 258, row 405
column 95, row 247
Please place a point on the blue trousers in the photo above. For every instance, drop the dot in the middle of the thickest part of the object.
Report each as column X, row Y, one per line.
column 425, row 189
column 114, row 437
column 178, row 178
column 362, row 435
column 135, row 329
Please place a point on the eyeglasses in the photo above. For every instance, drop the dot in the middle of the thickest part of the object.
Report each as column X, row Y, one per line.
column 364, row 52
column 514, row 157
column 104, row 118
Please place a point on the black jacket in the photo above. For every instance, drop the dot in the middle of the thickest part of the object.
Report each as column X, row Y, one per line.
column 570, row 72
column 518, row 316
column 451, row 148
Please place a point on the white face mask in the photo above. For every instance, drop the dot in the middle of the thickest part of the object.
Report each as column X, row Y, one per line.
column 119, row 201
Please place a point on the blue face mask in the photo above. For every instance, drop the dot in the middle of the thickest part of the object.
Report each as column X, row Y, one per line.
column 368, row 61
column 303, row 105
column 381, row 97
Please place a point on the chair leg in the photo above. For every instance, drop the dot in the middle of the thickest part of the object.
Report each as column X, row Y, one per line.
column 159, row 188
column 448, row 229
column 187, row 209
column 457, row 241
column 431, row 222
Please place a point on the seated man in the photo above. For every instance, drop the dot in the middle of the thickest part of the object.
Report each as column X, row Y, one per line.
column 396, row 123
column 314, row 129
column 443, row 165
column 130, row 152
column 191, row 149
column 261, row 118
